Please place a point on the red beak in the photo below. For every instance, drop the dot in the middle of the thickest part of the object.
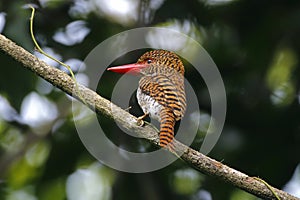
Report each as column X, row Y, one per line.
column 130, row 68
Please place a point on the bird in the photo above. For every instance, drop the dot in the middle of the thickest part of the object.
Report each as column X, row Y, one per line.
column 161, row 90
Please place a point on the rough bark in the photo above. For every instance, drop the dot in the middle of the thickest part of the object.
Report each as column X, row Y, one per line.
column 101, row 105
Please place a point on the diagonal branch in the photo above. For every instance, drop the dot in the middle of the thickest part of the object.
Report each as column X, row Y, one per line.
column 199, row 161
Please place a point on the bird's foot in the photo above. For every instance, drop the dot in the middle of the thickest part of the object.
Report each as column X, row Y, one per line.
column 140, row 121
column 127, row 109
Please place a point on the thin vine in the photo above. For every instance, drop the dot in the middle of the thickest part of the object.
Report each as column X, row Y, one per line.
column 268, row 186
column 40, row 50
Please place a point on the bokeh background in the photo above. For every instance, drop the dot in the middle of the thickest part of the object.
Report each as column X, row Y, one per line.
column 254, row 43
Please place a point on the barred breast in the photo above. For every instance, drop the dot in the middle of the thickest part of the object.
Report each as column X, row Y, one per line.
column 149, row 105
column 164, row 101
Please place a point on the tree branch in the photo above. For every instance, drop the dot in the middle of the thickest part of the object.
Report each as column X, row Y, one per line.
column 199, row 161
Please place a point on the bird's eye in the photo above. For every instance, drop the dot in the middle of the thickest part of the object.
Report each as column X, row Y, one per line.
column 149, row 61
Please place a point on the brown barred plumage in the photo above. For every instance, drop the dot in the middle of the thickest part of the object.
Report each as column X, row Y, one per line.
column 167, row 123
column 161, row 91
column 163, row 81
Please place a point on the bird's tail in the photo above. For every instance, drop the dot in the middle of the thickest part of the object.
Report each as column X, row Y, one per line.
column 166, row 134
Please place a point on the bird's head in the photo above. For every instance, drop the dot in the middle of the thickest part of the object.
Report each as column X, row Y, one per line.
column 153, row 62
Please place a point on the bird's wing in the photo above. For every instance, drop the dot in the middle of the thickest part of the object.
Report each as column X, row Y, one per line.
column 165, row 92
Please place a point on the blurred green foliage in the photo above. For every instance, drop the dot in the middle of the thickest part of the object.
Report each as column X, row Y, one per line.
column 256, row 46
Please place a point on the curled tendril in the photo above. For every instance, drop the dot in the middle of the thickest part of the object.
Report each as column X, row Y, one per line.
column 40, row 50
